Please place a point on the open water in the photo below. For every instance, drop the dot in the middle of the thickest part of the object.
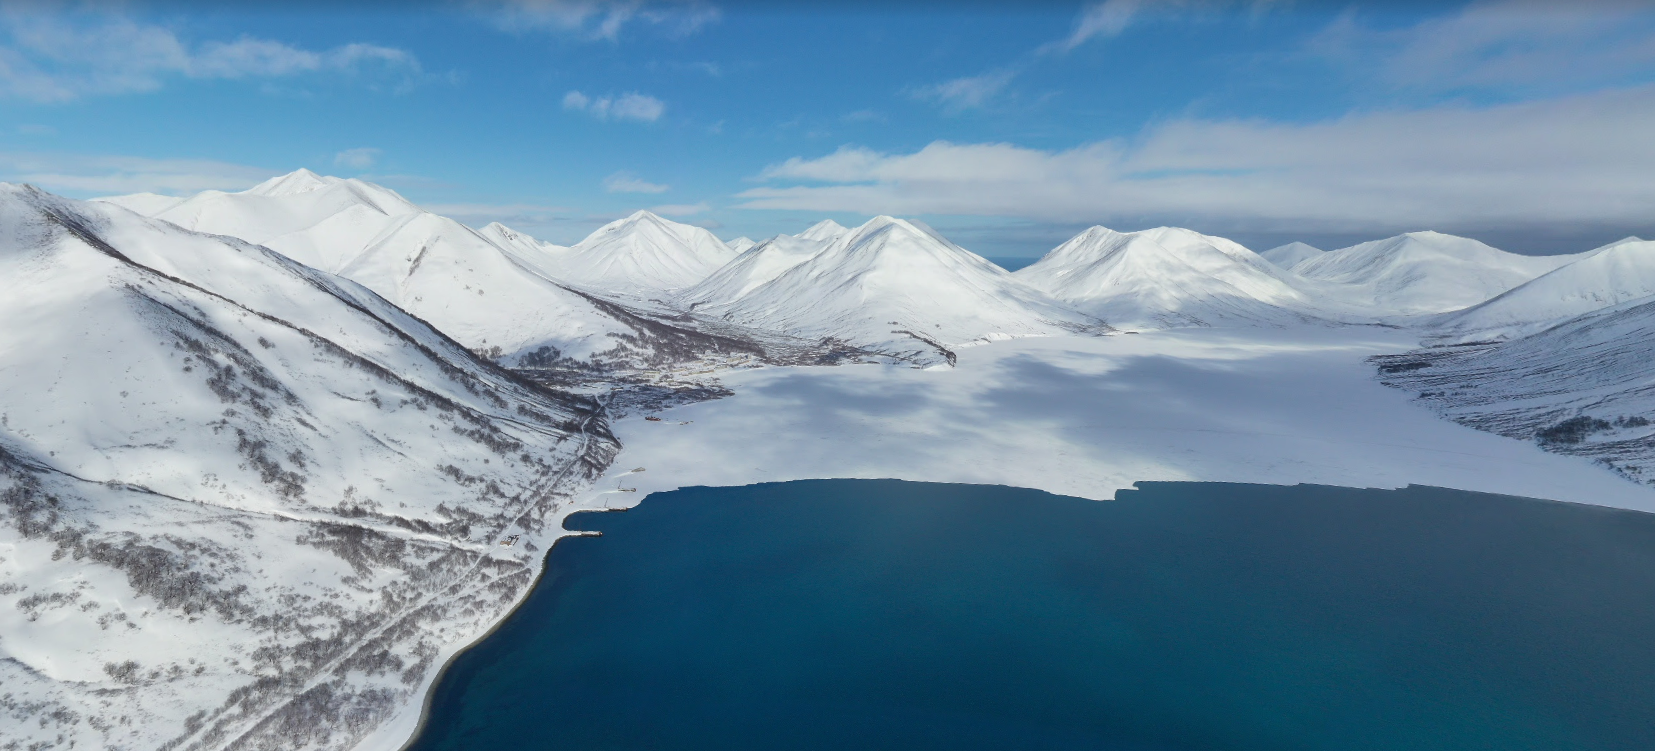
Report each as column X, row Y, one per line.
column 857, row 614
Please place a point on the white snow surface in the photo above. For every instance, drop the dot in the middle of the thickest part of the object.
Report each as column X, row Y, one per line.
column 1087, row 416
column 228, row 482
column 1289, row 255
column 742, row 244
column 644, row 254
column 1166, row 278
column 893, row 287
column 1424, row 272
column 1602, row 278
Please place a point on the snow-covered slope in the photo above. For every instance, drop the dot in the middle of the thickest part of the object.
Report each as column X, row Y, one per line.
column 1584, row 386
column 244, row 503
column 894, row 287
column 1425, row 272
column 1166, row 278
column 1289, row 255
column 742, row 244
column 644, row 254
column 755, row 267
column 1607, row 276
column 494, row 290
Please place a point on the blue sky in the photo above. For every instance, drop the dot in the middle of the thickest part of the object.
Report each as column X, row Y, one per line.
column 1008, row 126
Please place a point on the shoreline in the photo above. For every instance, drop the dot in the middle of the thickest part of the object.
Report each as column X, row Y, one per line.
column 430, row 691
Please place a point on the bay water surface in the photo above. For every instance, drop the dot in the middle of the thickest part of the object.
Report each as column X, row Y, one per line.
column 873, row 614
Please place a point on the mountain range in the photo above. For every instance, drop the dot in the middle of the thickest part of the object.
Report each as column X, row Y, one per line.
column 305, row 424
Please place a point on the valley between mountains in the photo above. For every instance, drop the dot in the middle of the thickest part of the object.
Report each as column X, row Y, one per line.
column 269, row 458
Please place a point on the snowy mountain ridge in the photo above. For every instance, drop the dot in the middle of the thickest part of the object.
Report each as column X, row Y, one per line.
column 241, row 498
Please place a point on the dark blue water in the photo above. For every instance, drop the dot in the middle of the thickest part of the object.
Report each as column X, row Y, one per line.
column 853, row 614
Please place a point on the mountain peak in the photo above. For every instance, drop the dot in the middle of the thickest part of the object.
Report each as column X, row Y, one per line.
column 825, row 230
column 298, row 181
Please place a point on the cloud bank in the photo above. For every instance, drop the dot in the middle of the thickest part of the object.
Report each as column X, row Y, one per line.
column 1581, row 159
column 56, row 58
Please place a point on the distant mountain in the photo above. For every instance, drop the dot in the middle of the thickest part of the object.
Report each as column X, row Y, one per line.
column 741, row 244
column 1166, row 278
column 1581, row 386
column 893, row 287
column 227, row 474
column 1611, row 275
column 826, row 230
column 753, row 268
column 495, row 290
column 644, row 254
column 1425, row 272
column 1289, row 255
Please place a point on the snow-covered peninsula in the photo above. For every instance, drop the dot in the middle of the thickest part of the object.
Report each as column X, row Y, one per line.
column 269, row 458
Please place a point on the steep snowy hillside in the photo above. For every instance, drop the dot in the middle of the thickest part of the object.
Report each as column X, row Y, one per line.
column 1611, row 275
column 1166, row 278
column 741, row 244
column 524, row 246
column 1583, row 387
column 748, row 271
column 892, row 287
column 243, row 503
column 644, row 255
column 1425, row 272
column 494, row 290
column 1289, row 255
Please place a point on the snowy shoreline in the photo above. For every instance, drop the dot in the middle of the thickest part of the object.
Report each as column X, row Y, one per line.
column 1381, row 441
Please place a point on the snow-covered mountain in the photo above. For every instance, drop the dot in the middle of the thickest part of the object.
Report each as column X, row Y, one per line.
column 757, row 266
column 1604, row 277
column 242, row 499
column 494, row 290
column 1289, row 255
column 1584, row 386
column 1424, row 272
column 742, row 244
column 894, row 287
column 1166, row 278
column 644, row 254
column 826, row 230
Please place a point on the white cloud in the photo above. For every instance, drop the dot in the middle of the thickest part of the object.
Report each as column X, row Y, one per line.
column 53, row 58
column 599, row 19
column 626, row 182
column 1582, row 159
column 1520, row 44
column 969, row 92
column 88, row 175
column 361, row 158
column 1105, row 19
column 680, row 209
column 629, row 106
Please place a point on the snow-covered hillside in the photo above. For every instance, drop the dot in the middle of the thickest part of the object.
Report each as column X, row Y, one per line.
column 826, row 230
column 1424, row 272
column 893, row 287
column 1289, row 255
column 753, row 268
column 741, row 244
column 1166, row 278
column 495, row 290
column 244, row 503
column 1608, row 276
column 645, row 255
column 1585, row 386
